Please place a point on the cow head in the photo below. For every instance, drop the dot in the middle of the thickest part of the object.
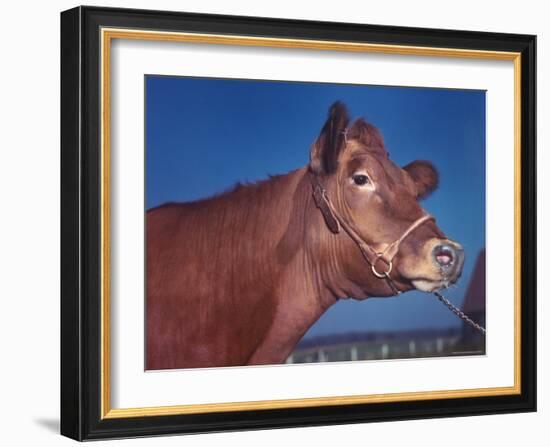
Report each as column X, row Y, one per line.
column 380, row 201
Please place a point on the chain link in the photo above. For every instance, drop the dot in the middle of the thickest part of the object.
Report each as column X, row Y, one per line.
column 459, row 313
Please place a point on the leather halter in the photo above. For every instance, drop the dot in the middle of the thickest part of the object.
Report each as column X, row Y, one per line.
column 335, row 222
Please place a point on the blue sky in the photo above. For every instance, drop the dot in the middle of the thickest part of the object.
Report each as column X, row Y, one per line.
column 204, row 135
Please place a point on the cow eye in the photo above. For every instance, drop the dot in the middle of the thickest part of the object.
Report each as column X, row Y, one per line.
column 360, row 179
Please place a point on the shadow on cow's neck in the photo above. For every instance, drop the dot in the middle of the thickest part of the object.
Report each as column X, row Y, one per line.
column 319, row 254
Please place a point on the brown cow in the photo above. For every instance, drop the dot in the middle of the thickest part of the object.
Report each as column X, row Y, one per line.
column 237, row 279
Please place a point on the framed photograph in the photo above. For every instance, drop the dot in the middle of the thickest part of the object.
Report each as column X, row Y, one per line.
column 275, row 223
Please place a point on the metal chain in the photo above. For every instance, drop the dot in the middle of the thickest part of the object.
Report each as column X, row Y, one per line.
column 459, row 313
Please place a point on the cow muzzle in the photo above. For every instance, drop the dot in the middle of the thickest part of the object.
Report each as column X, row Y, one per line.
column 440, row 267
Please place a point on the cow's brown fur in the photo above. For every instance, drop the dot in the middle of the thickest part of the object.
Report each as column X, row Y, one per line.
column 238, row 278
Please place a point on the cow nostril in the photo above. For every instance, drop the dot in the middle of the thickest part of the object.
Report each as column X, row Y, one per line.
column 444, row 255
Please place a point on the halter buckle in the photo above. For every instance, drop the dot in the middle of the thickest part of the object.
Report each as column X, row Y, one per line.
column 385, row 274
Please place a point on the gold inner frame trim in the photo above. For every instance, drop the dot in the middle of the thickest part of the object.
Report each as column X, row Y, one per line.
column 107, row 35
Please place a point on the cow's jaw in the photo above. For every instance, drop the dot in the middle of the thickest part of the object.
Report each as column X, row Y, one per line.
column 430, row 286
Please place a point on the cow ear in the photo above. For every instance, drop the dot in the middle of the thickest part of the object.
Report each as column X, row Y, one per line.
column 425, row 177
column 326, row 149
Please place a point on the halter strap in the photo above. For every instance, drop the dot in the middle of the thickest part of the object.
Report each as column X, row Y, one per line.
column 335, row 222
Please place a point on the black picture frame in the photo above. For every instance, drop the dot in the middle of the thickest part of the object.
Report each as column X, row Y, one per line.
column 81, row 414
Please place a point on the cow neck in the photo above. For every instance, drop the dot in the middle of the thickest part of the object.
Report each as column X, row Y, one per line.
column 335, row 222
